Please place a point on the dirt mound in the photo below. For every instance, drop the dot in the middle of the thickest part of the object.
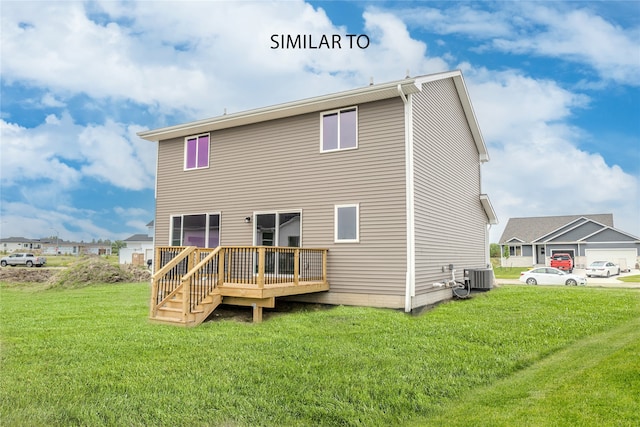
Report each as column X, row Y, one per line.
column 26, row 275
column 94, row 270
column 86, row 271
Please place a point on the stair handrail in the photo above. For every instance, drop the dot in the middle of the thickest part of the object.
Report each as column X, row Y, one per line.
column 186, row 252
column 186, row 279
column 174, row 261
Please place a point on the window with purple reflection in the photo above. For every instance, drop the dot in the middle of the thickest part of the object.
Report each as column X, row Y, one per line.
column 201, row 230
column 339, row 130
column 196, row 152
column 348, row 129
column 330, row 132
column 191, row 151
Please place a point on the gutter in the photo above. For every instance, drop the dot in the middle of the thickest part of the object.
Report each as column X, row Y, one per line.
column 410, row 280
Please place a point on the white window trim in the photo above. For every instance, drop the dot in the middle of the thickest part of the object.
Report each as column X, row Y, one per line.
column 335, row 223
column 277, row 213
column 184, row 164
column 339, row 110
column 207, row 214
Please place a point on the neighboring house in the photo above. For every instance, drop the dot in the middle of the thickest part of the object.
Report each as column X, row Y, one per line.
column 49, row 246
column 386, row 177
column 12, row 244
column 139, row 248
column 587, row 238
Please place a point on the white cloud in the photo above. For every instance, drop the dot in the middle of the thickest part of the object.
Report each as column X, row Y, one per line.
column 569, row 33
column 112, row 157
column 39, row 153
column 581, row 36
column 62, row 152
column 459, row 19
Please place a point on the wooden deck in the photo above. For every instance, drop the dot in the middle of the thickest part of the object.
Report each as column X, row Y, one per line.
column 189, row 282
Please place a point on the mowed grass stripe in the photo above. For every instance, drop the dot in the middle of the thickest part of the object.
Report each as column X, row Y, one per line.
column 594, row 382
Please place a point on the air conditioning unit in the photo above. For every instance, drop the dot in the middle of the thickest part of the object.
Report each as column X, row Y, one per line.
column 479, row 278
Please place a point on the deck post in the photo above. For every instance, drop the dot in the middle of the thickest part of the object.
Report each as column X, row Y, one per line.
column 324, row 265
column 257, row 313
column 296, row 267
column 186, row 294
column 261, row 260
column 154, row 297
column 221, row 255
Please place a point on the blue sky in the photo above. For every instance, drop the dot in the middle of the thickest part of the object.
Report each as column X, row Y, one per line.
column 555, row 87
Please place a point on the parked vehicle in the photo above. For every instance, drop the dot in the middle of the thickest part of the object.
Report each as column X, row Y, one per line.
column 602, row 269
column 20, row 258
column 562, row 261
column 551, row 276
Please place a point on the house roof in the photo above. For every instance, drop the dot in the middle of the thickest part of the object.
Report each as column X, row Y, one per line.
column 398, row 88
column 139, row 238
column 529, row 229
column 16, row 240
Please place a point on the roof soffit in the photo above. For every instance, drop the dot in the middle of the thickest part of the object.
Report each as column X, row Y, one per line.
column 488, row 209
column 310, row 105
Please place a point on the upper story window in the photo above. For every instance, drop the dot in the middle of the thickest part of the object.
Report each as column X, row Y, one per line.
column 339, row 130
column 196, row 152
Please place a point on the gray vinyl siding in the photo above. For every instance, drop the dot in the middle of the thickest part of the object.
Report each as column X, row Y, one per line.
column 450, row 222
column 610, row 236
column 277, row 166
column 576, row 233
column 562, row 230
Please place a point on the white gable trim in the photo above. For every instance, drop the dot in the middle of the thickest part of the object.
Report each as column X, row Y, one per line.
column 488, row 209
column 465, row 100
column 512, row 240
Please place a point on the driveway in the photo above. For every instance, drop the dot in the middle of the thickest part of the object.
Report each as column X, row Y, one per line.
column 595, row 282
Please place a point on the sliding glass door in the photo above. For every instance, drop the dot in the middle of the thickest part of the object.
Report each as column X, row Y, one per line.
column 278, row 229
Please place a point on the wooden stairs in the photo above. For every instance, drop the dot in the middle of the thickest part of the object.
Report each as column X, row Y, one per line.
column 171, row 310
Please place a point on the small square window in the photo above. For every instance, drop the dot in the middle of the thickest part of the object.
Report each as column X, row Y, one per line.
column 339, row 130
column 347, row 223
column 196, row 152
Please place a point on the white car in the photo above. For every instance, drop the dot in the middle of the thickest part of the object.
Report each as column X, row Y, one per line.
column 602, row 268
column 551, row 276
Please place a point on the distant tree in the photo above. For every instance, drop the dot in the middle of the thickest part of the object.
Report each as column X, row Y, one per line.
column 494, row 250
column 116, row 246
column 505, row 252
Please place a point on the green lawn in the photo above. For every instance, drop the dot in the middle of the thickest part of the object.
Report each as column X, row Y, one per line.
column 509, row 272
column 90, row 357
column 630, row 279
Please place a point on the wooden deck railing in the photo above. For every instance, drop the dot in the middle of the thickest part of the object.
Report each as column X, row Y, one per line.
column 200, row 270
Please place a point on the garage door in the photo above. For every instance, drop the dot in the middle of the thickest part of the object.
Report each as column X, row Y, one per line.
column 625, row 258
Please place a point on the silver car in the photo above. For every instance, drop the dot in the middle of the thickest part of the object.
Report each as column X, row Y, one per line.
column 602, row 268
column 551, row 276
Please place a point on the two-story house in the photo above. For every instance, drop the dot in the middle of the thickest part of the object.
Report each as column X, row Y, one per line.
column 385, row 179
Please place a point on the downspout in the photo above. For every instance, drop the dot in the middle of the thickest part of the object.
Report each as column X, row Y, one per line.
column 410, row 280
